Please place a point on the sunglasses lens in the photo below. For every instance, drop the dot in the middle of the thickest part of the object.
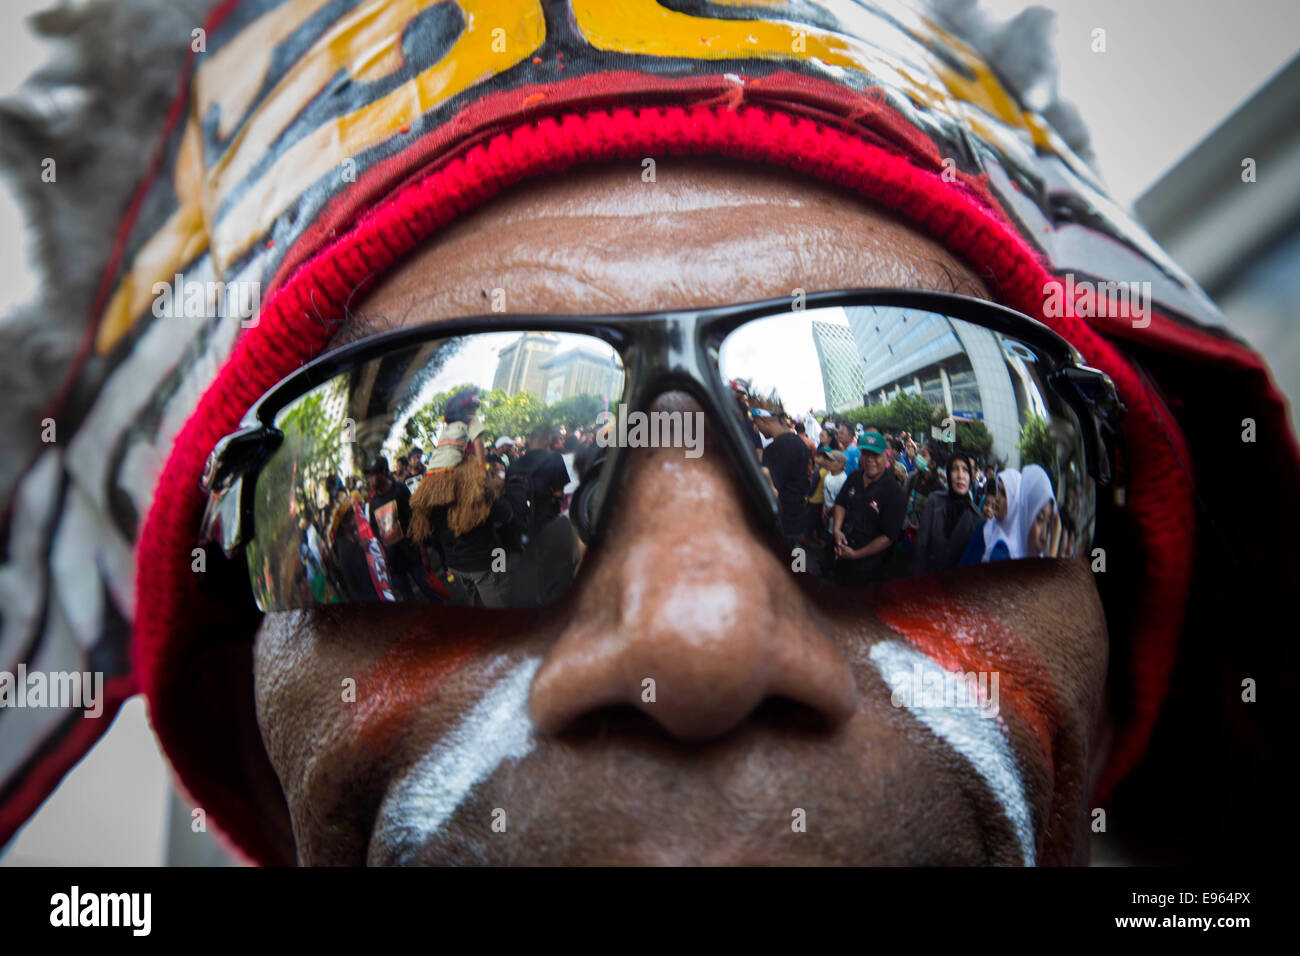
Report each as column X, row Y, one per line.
column 903, row 442
column 439, row 472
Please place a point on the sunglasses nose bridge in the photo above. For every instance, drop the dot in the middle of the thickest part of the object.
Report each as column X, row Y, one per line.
column 682, row 382
column 675, row 375
column 663, row 360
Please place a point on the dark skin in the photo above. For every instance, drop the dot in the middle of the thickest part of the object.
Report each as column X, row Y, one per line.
column 767, row 700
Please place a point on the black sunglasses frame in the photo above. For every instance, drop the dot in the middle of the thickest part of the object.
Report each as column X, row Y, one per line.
column 661, row 352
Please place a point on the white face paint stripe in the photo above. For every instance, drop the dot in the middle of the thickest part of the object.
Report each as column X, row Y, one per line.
column 976, row 737
column 497, row 729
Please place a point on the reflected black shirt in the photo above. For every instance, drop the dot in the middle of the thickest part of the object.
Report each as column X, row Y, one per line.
column 787, row 459
column 871, row 510
column 391, row 522
column 390, row 518
column 474, row 550
column 547, row 475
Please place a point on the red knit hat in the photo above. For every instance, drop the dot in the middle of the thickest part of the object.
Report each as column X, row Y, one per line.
column 316, row 186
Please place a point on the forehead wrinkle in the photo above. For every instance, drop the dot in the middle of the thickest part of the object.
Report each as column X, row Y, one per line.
column 535, row 246
column 358, row 324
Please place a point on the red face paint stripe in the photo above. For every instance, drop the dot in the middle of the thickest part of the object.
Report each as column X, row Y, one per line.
column 406, row 677
column 963, row 639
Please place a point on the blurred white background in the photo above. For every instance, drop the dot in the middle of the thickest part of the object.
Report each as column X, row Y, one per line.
column 1172, row 73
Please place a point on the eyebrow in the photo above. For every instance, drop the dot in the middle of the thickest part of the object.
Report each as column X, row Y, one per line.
column 356, row 325
column 957, row 284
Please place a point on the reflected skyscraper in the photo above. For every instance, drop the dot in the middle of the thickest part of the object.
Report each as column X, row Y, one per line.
column 580, row 371
column 842, row 374
column 961, row 367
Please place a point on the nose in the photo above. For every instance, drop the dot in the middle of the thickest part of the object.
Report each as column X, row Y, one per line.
column 686, row 612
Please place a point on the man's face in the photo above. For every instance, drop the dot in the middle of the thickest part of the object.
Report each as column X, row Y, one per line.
column 873, row 464
column 846, row 435
column 377, row 481
column 771, row 702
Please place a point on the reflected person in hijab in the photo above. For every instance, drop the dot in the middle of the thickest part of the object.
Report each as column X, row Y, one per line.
column 948, row 521
column 1038, row 521
column 998, row 538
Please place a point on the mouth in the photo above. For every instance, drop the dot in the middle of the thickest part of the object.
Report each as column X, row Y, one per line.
column 616, row 790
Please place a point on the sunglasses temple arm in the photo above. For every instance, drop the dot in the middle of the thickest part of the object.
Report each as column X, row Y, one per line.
column 231, row 470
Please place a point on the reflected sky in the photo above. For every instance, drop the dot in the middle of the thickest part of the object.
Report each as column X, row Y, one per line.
column 780, row 353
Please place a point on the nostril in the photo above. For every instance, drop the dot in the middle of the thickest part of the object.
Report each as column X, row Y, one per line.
column 617, row 720
column 790, row 716
column 624, row 721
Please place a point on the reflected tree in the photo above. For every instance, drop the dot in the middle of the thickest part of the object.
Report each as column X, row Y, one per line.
column 1037, row 446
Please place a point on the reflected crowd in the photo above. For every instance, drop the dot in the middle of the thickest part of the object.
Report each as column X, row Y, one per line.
column 862, row 505
column 480, row 520
column 485, row 520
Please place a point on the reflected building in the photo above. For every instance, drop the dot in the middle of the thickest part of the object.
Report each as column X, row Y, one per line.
column 520, row 365
column 963, row 367
column 843, row 381
column 580, row 371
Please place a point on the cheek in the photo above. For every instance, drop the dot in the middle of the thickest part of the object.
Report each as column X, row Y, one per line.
column 340, row 693
column 1038, row 625
column 1029, row 646
column 404, row 679
column 963, row 638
